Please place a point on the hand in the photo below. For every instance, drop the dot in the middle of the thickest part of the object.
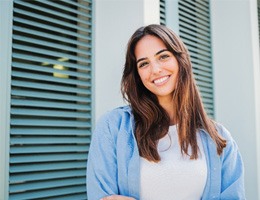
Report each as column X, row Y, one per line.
column 117, row 197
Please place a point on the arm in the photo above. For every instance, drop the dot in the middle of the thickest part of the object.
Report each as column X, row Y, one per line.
column 102, row 171
column 102, row 164
column 232, row 183
column 117, row 197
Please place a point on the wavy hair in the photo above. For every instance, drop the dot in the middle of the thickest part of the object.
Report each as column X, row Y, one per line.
column 151, row 120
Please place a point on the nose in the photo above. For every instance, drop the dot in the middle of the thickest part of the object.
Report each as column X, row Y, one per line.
column 156, row 67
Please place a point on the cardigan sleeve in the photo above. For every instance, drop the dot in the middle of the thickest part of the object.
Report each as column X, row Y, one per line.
column 101, row 165
column 232, row 173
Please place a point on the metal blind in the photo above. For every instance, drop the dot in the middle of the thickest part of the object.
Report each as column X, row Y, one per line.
column 162, row 12
column 194, row 23
column 50, row 99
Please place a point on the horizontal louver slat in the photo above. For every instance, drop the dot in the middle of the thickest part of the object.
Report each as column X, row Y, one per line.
column 47, row 193
column 47, row 158
column 45, row 176
column 79, row 5
column 46, row 95
column 70, row 196
column 49, row 131
column 48, row 113
column 50, row 104
column 48, row 149
column 51, row 166
column 49, row 140
column 27, row 84
column 50, row 99
column 49, row 123
column 47, row 184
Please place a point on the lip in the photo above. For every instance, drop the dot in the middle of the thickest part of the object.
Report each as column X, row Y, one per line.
column 161, row 80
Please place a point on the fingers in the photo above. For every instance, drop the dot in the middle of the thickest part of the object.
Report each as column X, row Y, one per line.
column 117, row 197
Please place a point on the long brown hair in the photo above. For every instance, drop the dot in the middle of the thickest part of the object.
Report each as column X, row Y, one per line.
column 151, row 120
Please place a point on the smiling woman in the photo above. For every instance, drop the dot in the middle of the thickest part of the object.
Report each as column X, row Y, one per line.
column 163, row 145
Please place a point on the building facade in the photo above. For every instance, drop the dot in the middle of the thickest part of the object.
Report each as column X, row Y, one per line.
column 61, row 66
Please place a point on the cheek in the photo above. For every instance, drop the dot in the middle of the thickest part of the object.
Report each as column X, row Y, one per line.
column 143, row 76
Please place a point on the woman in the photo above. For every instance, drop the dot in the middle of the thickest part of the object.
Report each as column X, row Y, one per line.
column 163, row 145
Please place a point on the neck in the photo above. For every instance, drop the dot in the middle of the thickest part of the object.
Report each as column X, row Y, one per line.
column 168, row 105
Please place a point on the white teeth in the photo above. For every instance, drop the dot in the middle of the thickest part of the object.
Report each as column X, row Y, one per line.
column 161, row 80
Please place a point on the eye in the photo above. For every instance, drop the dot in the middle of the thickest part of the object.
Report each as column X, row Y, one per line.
column 164, row 56
column 143, row 64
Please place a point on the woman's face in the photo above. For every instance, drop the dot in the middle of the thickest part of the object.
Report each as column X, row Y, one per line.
column 157, row 67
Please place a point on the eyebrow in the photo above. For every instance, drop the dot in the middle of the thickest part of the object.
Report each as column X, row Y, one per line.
column 141, row 59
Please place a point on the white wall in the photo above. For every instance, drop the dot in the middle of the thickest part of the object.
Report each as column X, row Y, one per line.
column 237, row 78
column 115, row 22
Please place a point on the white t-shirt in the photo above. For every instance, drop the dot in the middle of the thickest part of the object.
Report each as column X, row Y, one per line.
column 175, row 177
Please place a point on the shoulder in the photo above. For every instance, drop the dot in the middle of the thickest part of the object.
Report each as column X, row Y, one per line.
column 231, row 145
column 225, row 134
column 115, row 116
column 223, row 131
column 114, row 121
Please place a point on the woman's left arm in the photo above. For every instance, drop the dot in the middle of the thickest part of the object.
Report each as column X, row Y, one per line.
column 232, row 180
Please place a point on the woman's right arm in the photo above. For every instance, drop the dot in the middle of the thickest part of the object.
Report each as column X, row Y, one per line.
column 101, row 166
column 117, row 197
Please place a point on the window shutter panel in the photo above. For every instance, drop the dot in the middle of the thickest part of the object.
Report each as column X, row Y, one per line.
column 50, row 99
column 194, row 23
column 162, row 12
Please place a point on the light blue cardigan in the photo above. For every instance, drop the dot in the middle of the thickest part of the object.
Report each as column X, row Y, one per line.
column 113, row 161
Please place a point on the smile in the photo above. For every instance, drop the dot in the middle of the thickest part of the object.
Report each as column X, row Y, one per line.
column 161, row 80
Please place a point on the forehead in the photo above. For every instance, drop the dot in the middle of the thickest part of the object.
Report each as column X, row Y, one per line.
column 148, row 46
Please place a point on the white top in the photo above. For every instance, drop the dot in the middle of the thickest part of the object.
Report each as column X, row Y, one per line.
column 175, row 177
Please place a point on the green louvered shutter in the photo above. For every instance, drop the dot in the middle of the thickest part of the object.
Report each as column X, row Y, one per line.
column 162, row 12
column 50, row 99
column 194, row 29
